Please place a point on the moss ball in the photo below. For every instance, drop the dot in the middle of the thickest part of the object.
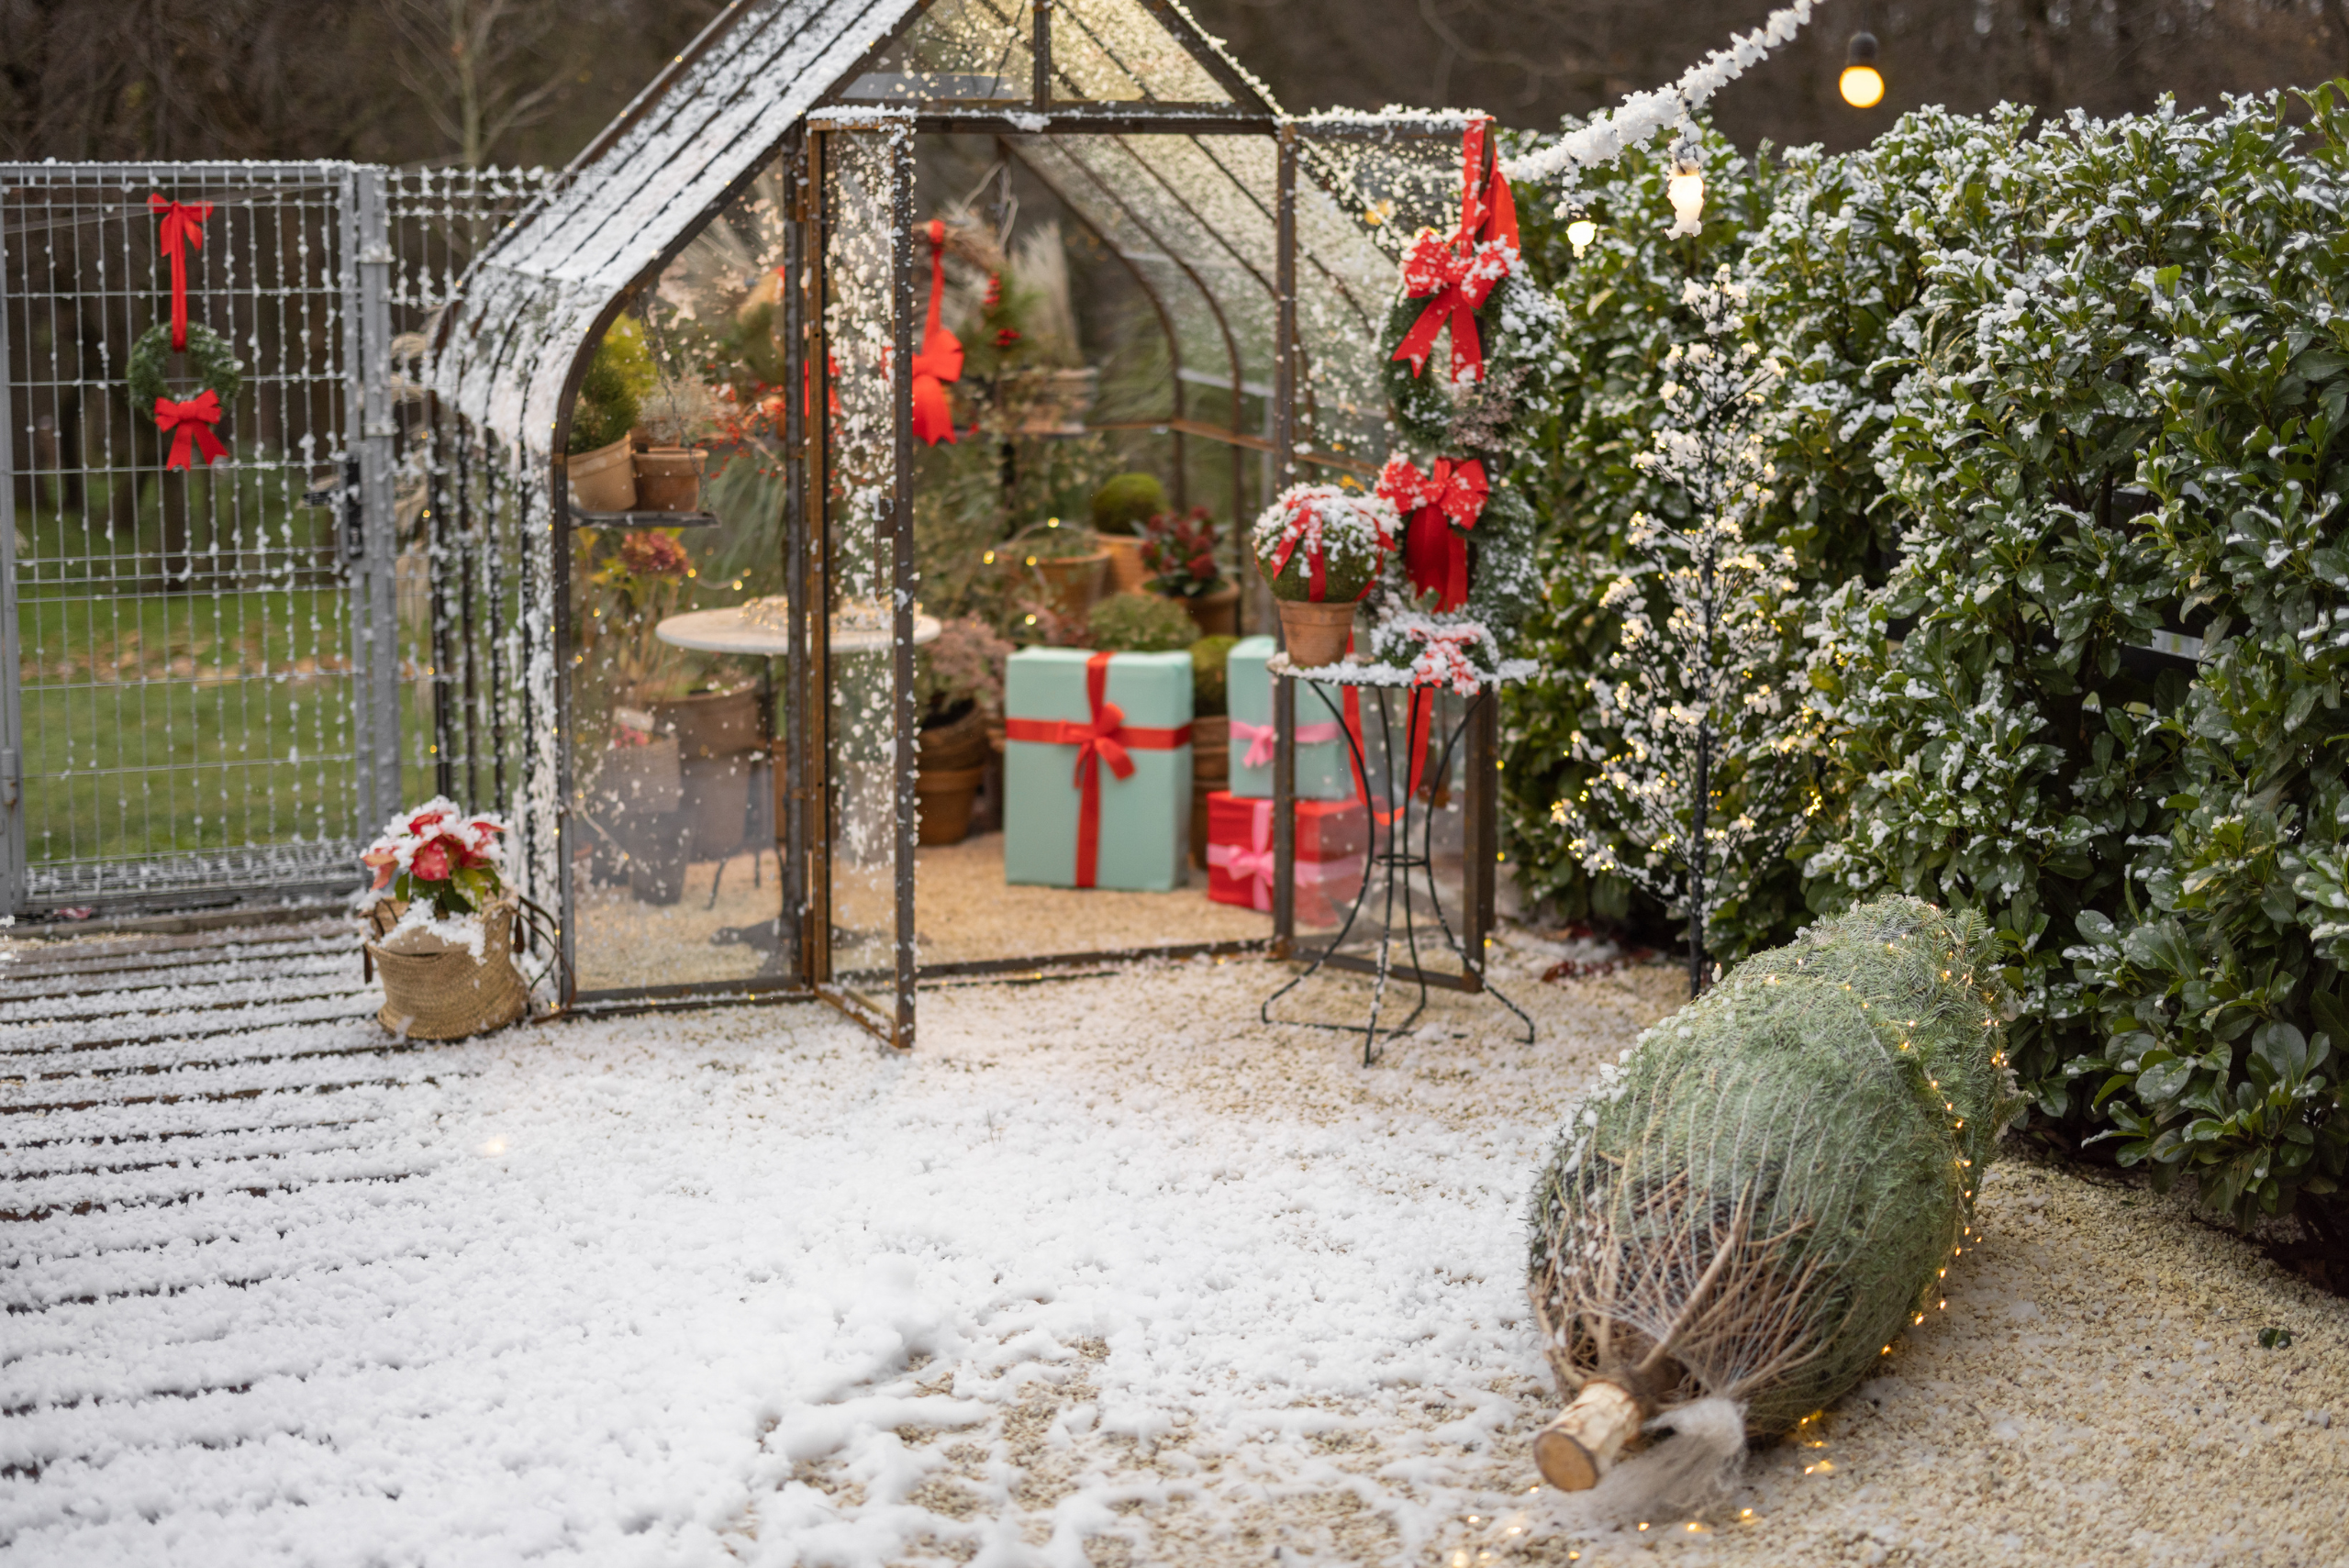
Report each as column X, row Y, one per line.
column 1126, row 502
column 1209, row 657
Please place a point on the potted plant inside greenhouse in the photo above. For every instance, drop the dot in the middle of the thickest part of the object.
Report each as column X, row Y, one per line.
column 958, row 683
column 602, row 466
column 1121, row 512
column 1179, row 554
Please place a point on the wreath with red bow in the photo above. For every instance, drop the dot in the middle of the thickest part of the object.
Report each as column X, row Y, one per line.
column 190, row 422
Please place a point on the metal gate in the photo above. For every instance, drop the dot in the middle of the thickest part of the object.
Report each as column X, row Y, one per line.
column 200, row 689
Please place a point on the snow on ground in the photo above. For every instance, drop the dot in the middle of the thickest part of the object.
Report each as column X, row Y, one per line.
column 1104, row 1272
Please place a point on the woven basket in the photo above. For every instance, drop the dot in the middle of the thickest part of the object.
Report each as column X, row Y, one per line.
column 435, row 991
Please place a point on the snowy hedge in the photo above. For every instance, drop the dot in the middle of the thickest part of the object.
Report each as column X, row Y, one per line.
column 2059, row 397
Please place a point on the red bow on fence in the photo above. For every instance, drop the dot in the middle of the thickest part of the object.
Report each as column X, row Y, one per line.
column 1105, row 736
column 1435, row 558
column 1456, row 275
column 190, row 426
column 182, row 227
column 941, row 360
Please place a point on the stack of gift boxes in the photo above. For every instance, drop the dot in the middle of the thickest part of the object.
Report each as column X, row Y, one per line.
column 1097, row 781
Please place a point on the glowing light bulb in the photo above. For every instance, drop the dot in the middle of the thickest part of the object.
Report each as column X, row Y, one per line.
column 1862, row 84
column 1580, row 233
column 1686, row 189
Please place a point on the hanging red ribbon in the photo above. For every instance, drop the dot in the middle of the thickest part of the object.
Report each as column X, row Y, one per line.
column 1456, row 275
column 941, row 360
column 1105, row 736
column 1450, row 497
column 190, row 426
column 182, row 227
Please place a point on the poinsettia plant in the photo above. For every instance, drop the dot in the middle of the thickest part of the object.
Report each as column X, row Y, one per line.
column 1179, row 551
column 439, row 856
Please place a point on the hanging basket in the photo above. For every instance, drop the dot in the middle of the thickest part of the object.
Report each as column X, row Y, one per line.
column 437, row 990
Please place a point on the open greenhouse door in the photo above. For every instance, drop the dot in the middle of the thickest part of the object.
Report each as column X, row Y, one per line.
column 860, row 575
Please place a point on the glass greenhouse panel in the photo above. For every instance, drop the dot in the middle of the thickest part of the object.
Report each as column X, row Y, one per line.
column 1115, row 51
column 677, row 585
column 962, row 51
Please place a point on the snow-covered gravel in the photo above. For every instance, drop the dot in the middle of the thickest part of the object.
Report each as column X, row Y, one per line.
column 1104, row 1272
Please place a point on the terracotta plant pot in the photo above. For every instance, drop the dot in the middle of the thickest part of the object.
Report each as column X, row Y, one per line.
column 958, row 743
column 1074, row 582
column 1216, row 612
column 637, row 779
column 946, row 797
column 710, row 724
column 1316, row 634
column 668, row 479
column 1127, row 573
column 604, row 479
column 1211, row 770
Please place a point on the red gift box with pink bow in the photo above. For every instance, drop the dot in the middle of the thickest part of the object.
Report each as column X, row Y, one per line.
column 1332, row 848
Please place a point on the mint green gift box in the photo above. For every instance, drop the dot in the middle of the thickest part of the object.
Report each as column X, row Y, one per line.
column 1325, row 770
column 1144, row 843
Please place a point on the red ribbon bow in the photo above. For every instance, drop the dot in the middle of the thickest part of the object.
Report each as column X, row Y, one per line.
column 1104, row 736
column 190, row 426
column 1452, row 495
column 941, row 360
column 1456, row 275
column 182, row 227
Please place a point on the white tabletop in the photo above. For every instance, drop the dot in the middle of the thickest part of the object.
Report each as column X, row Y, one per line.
column 730, row 630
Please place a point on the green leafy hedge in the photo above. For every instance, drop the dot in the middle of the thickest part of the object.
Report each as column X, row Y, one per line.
column 2064, row 396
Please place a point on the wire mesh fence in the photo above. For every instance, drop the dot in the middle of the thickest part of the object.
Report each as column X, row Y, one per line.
column 218, row 674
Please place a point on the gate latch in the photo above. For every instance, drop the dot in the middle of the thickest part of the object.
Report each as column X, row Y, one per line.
column 7, row 778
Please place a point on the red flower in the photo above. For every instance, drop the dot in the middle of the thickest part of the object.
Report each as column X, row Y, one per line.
column 431, row 863
column 418, row 825
column 1006, row 338
column 1202, row 566
column 652, row 555
column 995, row 290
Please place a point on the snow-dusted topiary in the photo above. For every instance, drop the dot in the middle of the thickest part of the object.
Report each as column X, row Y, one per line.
column 1321, row 544
column 1705, row 749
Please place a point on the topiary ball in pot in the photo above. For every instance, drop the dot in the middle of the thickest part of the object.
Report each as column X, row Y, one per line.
column 1128, row 501
column 1141, row 623
column 1321, row 548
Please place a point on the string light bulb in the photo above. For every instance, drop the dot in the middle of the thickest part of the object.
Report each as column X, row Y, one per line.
column 1685, row 188
column 1580, row 233
column 1862, row 84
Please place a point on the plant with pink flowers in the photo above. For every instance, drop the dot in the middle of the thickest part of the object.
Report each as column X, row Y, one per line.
column 440, row 857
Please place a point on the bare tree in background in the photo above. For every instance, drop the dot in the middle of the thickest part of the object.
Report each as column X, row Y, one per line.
column 485, row 68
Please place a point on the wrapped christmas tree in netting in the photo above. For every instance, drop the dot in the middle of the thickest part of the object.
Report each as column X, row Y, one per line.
column 1743, row 1213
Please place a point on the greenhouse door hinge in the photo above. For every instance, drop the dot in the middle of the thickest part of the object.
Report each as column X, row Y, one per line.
column 9, row 785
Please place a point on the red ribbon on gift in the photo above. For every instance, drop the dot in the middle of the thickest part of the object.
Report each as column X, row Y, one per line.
column 941, row 360
column 182, row 227
column 1105, row 736
column 1452, row 495
column 1261, row 738
column 1456, row 275
column 1255, row 865
column 190, row 426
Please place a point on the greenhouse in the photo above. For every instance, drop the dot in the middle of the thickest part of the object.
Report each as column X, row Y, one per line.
column 1127, row 232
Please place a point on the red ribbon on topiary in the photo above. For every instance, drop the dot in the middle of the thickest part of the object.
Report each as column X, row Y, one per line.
column 182, row 227
column 941, row 360
column 1452, row 495
column 1104, row 736
column 1456, row 275
column 190, row 426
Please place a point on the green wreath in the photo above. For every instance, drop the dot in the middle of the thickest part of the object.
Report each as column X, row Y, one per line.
column 1516, row 327
column 214, row 361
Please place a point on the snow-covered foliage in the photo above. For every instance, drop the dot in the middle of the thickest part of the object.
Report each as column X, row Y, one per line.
column 2056, row 462
column 1701, row 746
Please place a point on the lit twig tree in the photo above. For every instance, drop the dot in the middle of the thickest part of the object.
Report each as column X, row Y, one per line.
column 1702, row 765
